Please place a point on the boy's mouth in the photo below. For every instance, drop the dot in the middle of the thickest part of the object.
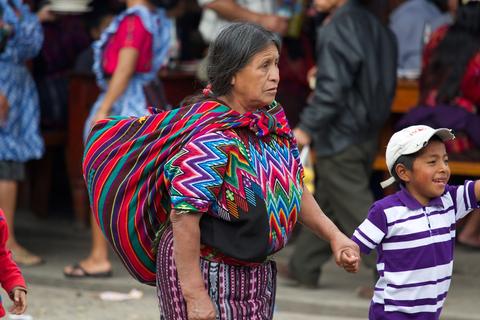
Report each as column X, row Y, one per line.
column 442, row 181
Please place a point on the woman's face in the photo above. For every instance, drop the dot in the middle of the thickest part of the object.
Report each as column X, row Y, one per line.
column 255, row 85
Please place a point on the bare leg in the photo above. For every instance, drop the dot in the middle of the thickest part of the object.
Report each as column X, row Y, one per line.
column 470, row 234
column 97, row 261
column 8, row 202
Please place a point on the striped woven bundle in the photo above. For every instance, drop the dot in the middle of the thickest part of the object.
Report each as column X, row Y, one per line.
column 123, row 168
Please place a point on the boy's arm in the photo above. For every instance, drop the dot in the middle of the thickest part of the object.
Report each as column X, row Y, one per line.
column 372, row 230
column 10, row 275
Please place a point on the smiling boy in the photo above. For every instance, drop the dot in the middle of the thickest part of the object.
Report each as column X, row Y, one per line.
column 413, row 230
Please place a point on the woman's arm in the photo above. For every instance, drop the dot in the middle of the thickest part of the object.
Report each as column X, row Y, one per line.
column 186, row 250
column 127, row 61
column 345, row 251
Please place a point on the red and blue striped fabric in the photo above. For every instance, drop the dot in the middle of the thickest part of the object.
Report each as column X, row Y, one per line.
column 123, row 169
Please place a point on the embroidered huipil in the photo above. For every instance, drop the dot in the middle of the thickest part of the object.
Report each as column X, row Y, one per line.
column 248, row 186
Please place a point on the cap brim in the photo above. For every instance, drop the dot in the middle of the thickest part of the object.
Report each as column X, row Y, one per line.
column 444, row 134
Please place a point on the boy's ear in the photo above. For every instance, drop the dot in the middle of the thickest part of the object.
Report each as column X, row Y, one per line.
column 402, row 172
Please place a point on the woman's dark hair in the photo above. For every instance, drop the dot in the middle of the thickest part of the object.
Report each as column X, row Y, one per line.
column 230, row 52
column 450, row 59
column 408, row 159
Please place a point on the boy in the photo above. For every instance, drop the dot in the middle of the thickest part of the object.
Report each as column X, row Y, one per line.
column 414, row 229
column 11, row 278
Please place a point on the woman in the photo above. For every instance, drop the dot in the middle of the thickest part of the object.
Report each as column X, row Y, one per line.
column 218, row 184
column 20, row 138
column 127, row 59
column 450, row 93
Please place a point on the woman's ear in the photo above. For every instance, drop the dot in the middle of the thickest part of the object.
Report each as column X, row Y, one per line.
column 402, row 172
column 232, row 82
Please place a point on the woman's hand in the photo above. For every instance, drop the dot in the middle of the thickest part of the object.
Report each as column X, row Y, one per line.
column 100, row 115
column 4, row 106
column 19, row 298
column 200, row 307
column 346, row 252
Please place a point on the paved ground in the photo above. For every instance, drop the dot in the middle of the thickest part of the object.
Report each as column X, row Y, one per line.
column 52, row 297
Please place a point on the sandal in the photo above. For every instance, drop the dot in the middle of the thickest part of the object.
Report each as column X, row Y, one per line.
column 79, row 272
column 25, row 258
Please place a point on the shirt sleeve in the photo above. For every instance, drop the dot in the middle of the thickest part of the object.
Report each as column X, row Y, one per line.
column 196, row 173
column 10, row 275
column 372, row 230
column 464, row 199
column 132, row 33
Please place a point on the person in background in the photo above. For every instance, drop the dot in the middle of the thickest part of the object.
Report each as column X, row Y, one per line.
column 20, row 138
column 11, row 277
column 96, row 21
column 127, row 58
column 413, row 230
column 413, row 22
column 223, row 177
column 355, row 85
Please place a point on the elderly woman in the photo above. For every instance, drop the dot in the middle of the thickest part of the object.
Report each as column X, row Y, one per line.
column 228, row 181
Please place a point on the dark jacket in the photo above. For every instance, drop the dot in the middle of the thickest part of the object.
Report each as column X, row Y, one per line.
column 356, row 80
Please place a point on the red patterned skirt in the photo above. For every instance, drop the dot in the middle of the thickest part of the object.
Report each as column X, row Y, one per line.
column 237, row 292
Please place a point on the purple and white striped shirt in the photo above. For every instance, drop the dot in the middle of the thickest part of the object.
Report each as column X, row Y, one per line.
column 415, row 250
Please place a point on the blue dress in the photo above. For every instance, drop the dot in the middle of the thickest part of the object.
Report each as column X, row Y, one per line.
column 132, row 102
column 20, row 138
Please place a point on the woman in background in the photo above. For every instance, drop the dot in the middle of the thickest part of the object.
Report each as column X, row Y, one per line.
column 20, row 139
column 127, row 58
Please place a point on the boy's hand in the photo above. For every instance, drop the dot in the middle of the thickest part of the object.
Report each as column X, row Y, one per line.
column 346, row 252
column 350, row 261
column 19, row 298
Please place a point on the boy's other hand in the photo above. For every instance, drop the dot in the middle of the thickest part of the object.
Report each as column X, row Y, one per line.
column 19, row 298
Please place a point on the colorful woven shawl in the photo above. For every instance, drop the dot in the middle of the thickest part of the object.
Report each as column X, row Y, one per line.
column 123, row 168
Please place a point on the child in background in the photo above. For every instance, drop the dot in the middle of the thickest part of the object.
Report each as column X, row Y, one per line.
column 413, row 230
column 10, row 276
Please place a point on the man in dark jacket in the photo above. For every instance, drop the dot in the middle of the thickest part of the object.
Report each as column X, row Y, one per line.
column 355, row 85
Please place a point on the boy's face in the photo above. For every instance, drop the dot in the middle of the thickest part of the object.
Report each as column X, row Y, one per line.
column 430, row 173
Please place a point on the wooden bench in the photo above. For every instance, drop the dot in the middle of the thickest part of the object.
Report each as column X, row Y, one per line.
column 406, row 97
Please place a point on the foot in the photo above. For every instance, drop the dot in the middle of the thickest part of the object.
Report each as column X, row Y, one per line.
column 89, row 268
column 472, row 243
column 24, row 257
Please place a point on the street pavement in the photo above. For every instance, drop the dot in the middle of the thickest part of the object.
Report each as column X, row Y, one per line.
column 53, row 297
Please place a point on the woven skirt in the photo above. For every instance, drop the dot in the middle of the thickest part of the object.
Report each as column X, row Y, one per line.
column 237, row 292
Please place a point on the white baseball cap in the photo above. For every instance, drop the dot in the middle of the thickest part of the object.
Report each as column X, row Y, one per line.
column 409, row 141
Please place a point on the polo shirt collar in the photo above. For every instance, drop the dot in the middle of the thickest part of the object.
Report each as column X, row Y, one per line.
column 411, row 203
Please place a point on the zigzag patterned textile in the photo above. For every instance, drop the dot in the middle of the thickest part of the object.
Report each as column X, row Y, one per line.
column 123, row 169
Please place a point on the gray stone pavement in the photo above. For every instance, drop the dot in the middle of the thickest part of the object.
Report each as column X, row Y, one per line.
column 53, row 297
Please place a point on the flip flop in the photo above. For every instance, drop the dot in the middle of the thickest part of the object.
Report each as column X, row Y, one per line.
column 79, row 272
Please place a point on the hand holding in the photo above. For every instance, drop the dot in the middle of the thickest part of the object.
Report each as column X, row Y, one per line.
column 200, row 307
column 19, row 298
column 346, row 252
